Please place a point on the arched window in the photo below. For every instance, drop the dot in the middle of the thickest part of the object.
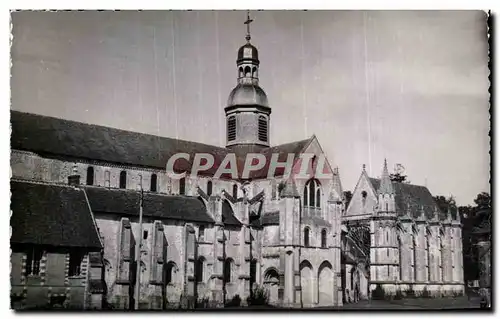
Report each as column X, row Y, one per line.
column 363, row 195
column 107, row 179
column 209, row 188
column 318, row 197
column 201, row 233
column 312, row 193
column 386, row 207
column 90, row 175
column 182, row 186
column 235, row 191
column 262, row 129
column 306, row 202
column 154, row 182
column 231, row 128
column 227, row 270
column 323, row 238
column 306, row 237
column 169, row 272
column 254, row 72
column 247, row 71
column 240, row 72
column 199, row 269
column 123, row 179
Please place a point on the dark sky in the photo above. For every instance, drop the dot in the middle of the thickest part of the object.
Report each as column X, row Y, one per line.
column 408, row 86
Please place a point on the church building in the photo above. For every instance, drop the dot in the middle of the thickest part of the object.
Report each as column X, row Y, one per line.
column 96, row 215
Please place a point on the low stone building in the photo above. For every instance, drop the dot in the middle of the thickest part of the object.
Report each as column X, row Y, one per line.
column 56, row 249
column 409, row 244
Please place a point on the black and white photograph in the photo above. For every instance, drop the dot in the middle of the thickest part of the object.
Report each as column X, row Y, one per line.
column 260, row 160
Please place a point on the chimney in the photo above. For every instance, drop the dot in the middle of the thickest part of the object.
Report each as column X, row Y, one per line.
column 74, row 179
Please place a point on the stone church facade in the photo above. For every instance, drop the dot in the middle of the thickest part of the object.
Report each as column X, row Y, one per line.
column 408, row 244
column 77, row 190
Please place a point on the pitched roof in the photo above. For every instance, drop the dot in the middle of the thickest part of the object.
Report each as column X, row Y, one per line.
column 228, row 217
column 124, row 201
column 51, row 215
column 58, row 137
column 414, row 198
column 49, row 135
column 267, row 219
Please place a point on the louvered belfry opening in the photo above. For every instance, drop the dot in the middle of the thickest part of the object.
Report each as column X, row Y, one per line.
column 231, row 128
column 262, row 129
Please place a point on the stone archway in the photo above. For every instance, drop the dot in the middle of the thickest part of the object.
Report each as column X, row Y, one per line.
column 271, row 283
column 325, row 284
column 306, row 281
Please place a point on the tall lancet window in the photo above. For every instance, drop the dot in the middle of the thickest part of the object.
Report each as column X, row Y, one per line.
column 209, row 188
column 262, row 129
column 182, row 186
column 231, row 128
column 90, row 175
column 312, row 193
column 235, row 191
column 154, row 182
column 123, row 179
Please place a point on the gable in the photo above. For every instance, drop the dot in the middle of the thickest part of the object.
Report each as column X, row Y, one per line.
column 314, row 149
column 358, row 205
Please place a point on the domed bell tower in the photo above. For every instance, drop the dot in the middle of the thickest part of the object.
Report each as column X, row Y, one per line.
column 247, row 111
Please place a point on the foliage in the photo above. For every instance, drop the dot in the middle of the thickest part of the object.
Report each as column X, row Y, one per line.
column 399, row 295
column 258, row 297
column 399, row 178
column 235, row 302
column 409, row 292
column 474, row 218
column 203, row 303
column 445, row 203
column 378, row 293
column 425, row 293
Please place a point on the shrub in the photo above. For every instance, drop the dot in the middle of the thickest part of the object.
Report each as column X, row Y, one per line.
column 425, row 293
column 235, row 302
column 203, row 303
column 399, row 295
column 410, row 293
column 378, row 293
column 259, row 297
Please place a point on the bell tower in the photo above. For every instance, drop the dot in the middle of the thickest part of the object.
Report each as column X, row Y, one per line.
column 247, row 111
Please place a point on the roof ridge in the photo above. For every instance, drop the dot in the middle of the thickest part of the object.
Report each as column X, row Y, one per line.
column 40, row 182
column 115, row 128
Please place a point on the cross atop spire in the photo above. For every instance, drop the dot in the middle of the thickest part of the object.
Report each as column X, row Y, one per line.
column 247, row 22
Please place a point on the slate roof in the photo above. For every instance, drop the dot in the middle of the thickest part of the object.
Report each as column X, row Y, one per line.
column 51, row 215
column 267, row 219
column 57, row 137
column 413, row 196
column 228, row 217
column 124, row 201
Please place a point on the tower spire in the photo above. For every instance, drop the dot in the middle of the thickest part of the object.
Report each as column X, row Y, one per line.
column 247, row 22
column 385, row 181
